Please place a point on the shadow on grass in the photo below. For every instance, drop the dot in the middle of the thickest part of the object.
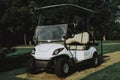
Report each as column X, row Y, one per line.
column 13, row 62
column 12, row 75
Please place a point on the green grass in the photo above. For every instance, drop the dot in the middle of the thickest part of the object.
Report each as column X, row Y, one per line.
column 110, row 73
column 20, row 51
column 15, row 60
column 108, row 48
column 11, row 75
column 109, row 41
column 14, row 64
column 111, row 48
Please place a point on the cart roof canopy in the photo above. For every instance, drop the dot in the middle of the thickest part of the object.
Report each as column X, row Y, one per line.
column 67, row 5
column 70, row 14
column 74, row 18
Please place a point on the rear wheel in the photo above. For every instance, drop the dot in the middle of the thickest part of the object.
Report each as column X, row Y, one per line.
column 31, row 67
column 62, row 67
column 95, row 60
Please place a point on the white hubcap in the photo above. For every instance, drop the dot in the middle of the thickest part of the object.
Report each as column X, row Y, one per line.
column 96, row 60
column 66, row 68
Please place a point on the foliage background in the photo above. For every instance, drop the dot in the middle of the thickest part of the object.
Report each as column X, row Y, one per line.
column 18, row 19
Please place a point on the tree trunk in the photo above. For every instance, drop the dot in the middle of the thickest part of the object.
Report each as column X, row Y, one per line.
column 25, row 40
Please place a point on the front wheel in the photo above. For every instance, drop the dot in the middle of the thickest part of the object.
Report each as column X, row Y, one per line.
column 62, row 67
column 31, row 67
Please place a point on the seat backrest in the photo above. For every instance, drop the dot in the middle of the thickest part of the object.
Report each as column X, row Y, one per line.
column 81, row 38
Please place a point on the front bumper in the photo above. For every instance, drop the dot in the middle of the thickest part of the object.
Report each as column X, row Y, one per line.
column 43, row 63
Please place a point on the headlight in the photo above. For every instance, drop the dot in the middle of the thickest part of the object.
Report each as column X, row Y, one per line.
column 33, row 51
column 57, row 51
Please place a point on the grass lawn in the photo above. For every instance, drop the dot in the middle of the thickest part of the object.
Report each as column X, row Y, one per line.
column 115, row 41
column 20, row 51
column 111, row 48
column 15, row 63
column 110, row 73
column 11, row 75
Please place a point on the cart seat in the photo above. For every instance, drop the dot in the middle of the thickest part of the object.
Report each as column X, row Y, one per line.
column 82, row 38
column 79, row 41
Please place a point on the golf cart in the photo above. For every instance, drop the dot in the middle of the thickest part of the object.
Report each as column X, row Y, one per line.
column 63, row 39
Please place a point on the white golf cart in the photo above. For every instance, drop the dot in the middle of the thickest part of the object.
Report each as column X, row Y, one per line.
column 62, row 39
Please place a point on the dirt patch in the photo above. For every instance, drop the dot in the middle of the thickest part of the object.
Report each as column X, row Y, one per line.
column 109, row 59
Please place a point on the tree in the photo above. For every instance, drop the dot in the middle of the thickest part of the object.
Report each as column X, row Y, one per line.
column 104, row 17
column 18, row 18
column 104, row 20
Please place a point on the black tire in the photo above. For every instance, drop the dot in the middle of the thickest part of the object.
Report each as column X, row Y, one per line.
column 62, row 67
column 95, row 60
column 31, row 67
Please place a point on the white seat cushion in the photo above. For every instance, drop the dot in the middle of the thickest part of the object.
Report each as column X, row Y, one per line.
column 82, row 38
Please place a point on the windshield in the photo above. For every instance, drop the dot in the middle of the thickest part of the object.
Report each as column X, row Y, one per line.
column 51, row 32
column 53, row 16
